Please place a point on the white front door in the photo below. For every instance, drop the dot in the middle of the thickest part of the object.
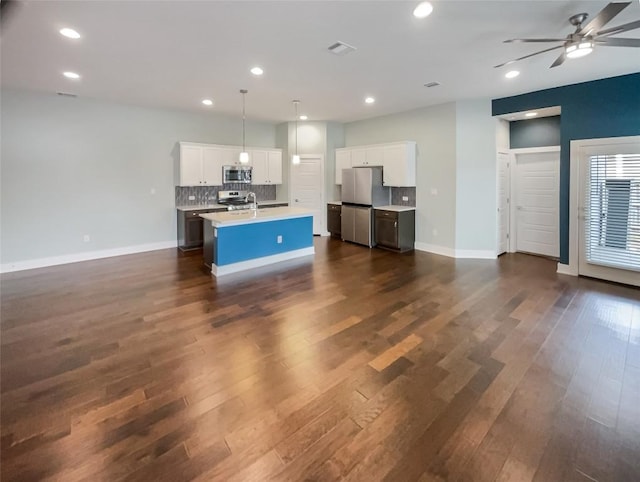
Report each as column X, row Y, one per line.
column 537, row 203
column 609, row 211
column 504, row 181
column 307, row 187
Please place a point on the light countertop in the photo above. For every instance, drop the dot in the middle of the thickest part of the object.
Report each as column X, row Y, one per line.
column 397, row 209
column 335, row 202
column 202, row 207
column 249, row 216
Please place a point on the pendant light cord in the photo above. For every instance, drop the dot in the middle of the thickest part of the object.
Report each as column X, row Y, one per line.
column 243, row 92
column 296, row 103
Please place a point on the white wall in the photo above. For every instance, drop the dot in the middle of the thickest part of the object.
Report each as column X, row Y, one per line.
column 434, row 130
column 72, row 167
column 335, row 139
column 475, row 178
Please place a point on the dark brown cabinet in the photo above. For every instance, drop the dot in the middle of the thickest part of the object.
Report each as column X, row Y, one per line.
column 395, row 229
column 334, row 221
column 190, row 228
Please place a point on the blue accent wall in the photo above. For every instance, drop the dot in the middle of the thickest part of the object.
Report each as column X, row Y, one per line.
column 535, row 132
column 256, row 240
column 590, row 110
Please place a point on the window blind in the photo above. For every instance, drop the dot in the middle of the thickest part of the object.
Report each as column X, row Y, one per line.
column 612, row 211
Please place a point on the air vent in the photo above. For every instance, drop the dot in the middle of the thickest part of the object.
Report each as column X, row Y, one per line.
column 340, row 48
column 432, row 84
column 67, row 94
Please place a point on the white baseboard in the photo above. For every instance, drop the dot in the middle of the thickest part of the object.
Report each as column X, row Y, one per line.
column 435, row 249
column 455, row 253
column 567, row 269
column 85, row 256
column 476, row 253
column 264, row 261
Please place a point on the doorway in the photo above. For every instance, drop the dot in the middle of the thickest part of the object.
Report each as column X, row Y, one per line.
column 608, row 204
column 504, row 194
column 307, row 188
column 535, row 207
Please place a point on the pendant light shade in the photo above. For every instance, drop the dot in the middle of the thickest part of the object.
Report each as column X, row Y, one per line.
column 295, row 159
column 244, row 155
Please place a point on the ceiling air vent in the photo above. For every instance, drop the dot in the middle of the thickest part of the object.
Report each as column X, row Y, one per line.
column 432, row 84
column 66, row 94
column 340, row 48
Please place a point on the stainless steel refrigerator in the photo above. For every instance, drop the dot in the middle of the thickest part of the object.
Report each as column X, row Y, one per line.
column 362, row 190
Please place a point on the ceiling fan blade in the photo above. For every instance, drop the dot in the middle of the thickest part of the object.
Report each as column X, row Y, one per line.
column 603, row 17
column 527, row 56
column 619, row 42
column 620, row 28
column 560, row 60
column 532, row 40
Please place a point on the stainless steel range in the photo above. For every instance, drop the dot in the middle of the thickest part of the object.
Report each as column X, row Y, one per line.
column 237, row 199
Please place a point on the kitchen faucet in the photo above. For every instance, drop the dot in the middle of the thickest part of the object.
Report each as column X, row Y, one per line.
column 254, row 205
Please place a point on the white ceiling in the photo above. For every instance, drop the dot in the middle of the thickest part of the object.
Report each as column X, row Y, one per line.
column 176, row 53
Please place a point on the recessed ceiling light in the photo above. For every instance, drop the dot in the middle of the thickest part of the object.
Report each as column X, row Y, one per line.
column 303, row 117
column 257, row 71
column 207, row 102
column 423, row 10
column 369, row 100
column 512, row 74
column 71, row 75
column 531, row 114
column 69, row 32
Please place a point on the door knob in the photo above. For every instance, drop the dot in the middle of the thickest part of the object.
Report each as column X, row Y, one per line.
column 297, row 200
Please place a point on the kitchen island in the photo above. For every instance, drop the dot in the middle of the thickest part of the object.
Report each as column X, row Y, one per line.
column 240, row 240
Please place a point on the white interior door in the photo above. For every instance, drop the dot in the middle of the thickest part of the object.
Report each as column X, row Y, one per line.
column 307, row 188
column 609, row 211
column 537, row 186
column 504, row 191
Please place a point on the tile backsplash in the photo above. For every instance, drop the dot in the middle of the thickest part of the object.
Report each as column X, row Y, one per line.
column 209, row 194
column 398, row 192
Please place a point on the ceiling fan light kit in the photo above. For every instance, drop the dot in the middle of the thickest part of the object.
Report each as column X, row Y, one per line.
column 577, row 50
column 584, row 39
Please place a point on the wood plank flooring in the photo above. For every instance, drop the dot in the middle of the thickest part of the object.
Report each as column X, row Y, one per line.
column 358, row 365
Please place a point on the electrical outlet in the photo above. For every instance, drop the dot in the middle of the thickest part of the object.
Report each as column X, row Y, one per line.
column 279, row 239
column 192, row 198
column 86, row 238
column 153, row 190
column 405, row 198
column 435, row 232
column 434, row 191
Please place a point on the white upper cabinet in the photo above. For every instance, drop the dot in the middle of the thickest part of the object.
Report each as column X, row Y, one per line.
column 399, row 164
column 201, row 164
column 190, row 164
column 343, row 161
column 267, row 166
column 358, row 157
column 398, row 160
column 212, row 166
column 374, row 156
column 275, row 166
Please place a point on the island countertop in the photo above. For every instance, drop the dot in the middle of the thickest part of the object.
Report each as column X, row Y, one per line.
column 250, row 216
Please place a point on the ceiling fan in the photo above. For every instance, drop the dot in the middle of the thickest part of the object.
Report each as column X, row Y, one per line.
column 585, row 38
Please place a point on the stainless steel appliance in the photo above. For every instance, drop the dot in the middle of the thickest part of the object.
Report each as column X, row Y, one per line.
column 237, row 199
column 362, row 190
column 236, row 174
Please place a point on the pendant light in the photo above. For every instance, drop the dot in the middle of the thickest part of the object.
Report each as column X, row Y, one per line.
column 295, row 159
column 244, row 155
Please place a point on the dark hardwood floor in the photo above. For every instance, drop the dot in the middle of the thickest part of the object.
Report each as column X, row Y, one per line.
column 359, row 365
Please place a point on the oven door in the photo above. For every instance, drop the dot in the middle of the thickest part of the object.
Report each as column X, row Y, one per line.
column 236, row 175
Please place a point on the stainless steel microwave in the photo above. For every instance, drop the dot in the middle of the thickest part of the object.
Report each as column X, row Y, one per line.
column 236, row 174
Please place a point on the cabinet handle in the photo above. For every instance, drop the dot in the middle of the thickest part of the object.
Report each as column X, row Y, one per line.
column 395, row 225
